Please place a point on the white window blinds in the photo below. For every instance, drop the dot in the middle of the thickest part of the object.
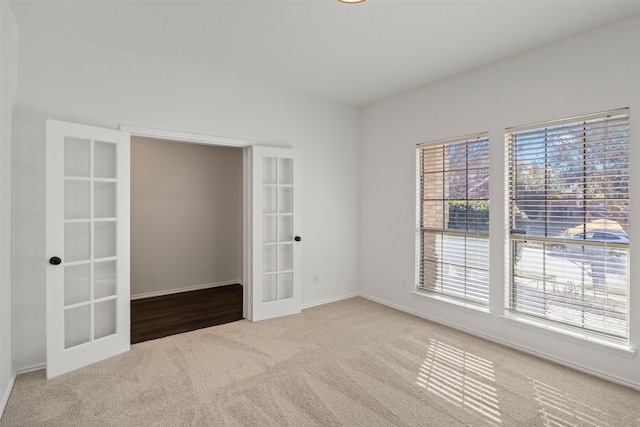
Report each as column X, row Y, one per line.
column 453, row 218
column 569, row 222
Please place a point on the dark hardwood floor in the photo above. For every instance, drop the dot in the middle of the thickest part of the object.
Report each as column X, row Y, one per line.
column 162, row 316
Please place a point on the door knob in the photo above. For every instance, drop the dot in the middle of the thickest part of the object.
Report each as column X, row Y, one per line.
column 55, row 260
column 297, row 238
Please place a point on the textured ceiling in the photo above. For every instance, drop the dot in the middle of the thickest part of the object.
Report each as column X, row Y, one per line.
column 351, row 54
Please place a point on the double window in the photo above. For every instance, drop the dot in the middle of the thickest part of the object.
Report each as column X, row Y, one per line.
column 453, row 218
column 567, row 216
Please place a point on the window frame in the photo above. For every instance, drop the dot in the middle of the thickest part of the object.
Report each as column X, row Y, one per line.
column 420, row 260
column 586, row 243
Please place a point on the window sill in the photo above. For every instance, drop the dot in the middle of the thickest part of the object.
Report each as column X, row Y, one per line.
column 539, row 325
column 473, row 308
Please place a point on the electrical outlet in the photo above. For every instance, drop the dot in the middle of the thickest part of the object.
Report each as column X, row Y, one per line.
column 316, row 279
column 404, row 283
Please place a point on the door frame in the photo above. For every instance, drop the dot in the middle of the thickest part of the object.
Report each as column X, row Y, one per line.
column 221, row 141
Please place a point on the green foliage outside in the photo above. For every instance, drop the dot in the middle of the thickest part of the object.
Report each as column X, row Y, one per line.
column 474, row 216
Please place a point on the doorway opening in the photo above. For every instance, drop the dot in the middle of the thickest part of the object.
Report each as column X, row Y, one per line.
column 187, row 244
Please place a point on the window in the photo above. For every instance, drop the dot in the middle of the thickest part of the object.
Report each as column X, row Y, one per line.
column 569, row 222
column 453, row 218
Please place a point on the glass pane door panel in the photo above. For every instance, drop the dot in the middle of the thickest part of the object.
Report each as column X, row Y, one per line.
column 285, row 228
column 104, row 279
column 285, row 200
column 77, row 242
column 76, row 157
column 269, row 170
column 76, row 326
column 269, row 233
column 104, row 319
column 285, row 171
column 105, row 239
column 77, row 281
column 269, row 287
column 104, row 199
column 77, row 199
column 104, row 162
column 269, row 200
column 269, row 260
column 285, row 286
column 285, row 257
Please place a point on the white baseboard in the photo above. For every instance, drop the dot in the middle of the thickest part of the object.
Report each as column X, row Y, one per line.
column 530, row 351
column 32, row 368
column 6, row 394
column 330, row 300
column 186, row 289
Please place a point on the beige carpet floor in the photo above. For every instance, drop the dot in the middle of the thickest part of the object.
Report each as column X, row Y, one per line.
column 349, row 363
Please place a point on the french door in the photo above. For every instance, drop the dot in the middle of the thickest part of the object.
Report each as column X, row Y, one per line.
column 276, row 232
column 87, row 242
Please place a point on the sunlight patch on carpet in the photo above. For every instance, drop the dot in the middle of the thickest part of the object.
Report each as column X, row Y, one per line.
column 558, row 409
column 461, row 378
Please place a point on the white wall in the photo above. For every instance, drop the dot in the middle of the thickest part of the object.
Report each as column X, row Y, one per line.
column 186, row 216
column 593, row 72
column 69, row 80
column 8, row 86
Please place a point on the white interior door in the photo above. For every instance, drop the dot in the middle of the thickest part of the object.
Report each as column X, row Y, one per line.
column 276, row 232
column 87, row 243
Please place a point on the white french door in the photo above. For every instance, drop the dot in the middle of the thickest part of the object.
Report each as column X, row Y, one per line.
column 87, row 242
column 276, row 232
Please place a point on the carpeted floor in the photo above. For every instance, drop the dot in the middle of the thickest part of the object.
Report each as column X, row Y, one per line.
column 349, row 363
